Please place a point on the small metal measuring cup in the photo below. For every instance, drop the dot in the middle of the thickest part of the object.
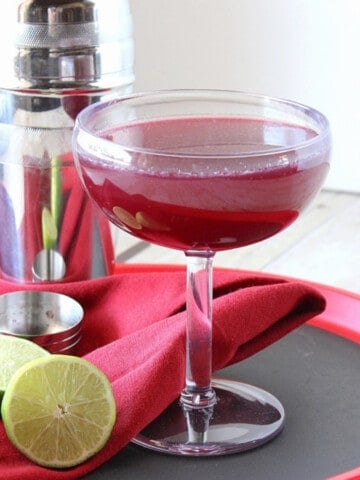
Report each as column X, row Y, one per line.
column 52, row 320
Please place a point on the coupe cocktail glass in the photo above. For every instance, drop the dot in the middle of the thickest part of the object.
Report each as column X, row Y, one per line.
column 203, row 171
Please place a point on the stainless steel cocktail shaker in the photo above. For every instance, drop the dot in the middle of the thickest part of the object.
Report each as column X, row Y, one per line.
column 61, row 55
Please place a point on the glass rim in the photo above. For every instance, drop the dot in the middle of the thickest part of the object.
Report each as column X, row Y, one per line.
column 238, row 96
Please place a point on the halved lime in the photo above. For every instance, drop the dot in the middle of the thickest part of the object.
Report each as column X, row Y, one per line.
column 59, row 410
column 15, row 352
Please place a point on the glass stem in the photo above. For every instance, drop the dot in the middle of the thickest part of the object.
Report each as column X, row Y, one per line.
column 198, row 393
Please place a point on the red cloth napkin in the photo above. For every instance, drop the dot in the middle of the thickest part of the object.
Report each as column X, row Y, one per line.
column 134, row 331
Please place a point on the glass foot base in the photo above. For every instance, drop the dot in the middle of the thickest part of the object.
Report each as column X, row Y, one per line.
column 244, row 417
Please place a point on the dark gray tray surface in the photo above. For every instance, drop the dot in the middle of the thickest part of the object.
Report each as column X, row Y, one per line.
column 316, row 375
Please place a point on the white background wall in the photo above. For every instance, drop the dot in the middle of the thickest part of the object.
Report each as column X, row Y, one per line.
column 306, row 50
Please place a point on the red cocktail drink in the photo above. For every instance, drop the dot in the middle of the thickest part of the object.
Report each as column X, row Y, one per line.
column 198, row 189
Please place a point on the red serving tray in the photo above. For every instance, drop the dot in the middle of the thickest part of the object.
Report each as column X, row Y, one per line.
column 341, row 316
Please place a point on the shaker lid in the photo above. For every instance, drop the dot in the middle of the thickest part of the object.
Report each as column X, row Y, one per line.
column 67, row 43
column 63, row 11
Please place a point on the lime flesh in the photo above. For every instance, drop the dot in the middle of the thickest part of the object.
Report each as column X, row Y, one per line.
column 58, row 410
column 15, row 352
